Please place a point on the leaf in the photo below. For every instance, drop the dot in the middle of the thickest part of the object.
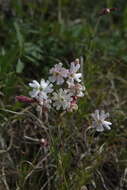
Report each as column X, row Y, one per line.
column 19, row 36
column 19, row 66
column 7, row 60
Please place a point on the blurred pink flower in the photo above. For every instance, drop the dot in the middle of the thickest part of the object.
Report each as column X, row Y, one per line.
column 58, row 74
column 99, row 122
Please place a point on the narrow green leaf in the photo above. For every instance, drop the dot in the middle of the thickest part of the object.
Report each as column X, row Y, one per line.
column 19, row 36
column 19, row 66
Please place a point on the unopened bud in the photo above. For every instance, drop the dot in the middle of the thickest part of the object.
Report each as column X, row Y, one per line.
column 25, row 99
column 44, row 142
column 106, row 11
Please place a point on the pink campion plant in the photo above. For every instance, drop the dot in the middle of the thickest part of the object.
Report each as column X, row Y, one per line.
column 61, row 91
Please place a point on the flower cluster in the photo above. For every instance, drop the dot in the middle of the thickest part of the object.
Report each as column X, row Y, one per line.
column 99, row 123
column 62, row 89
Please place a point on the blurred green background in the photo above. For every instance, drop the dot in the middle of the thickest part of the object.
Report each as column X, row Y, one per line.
column 35, row 35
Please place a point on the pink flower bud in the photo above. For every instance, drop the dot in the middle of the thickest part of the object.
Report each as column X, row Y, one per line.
column 44, row 142
column 106, row 11
column 25, row 99
column 74, row 99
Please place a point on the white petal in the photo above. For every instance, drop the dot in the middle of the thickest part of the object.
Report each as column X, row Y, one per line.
column 34, row 84
column 60, row 80
column 43, row 95
column 77, row 76
column 103, row 115
column 52, row 78
column 99, row 128
column 106, row 124
column 97, row 114
column 43, row 83
column 72, row 68
column 107, row 127
column 34, row 93
column 64, row 72
column 93, row 116
column 59, row 65
column 77, row 67
column 80, row 94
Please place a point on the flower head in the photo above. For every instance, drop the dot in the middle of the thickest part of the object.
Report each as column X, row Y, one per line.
column 99, row 120
column 58, row 74
column 40, row 90
column 73, row 75
column 62, row 99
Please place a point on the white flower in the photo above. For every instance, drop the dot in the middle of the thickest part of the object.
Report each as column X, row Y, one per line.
column 58, row 74
column 36, row 88
column 76, row 89
column 62, row 99
column 99, row 120
column 73, row 75
column 40, row 90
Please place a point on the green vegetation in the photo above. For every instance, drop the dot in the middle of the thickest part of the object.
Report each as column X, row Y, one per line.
column 34, row 36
